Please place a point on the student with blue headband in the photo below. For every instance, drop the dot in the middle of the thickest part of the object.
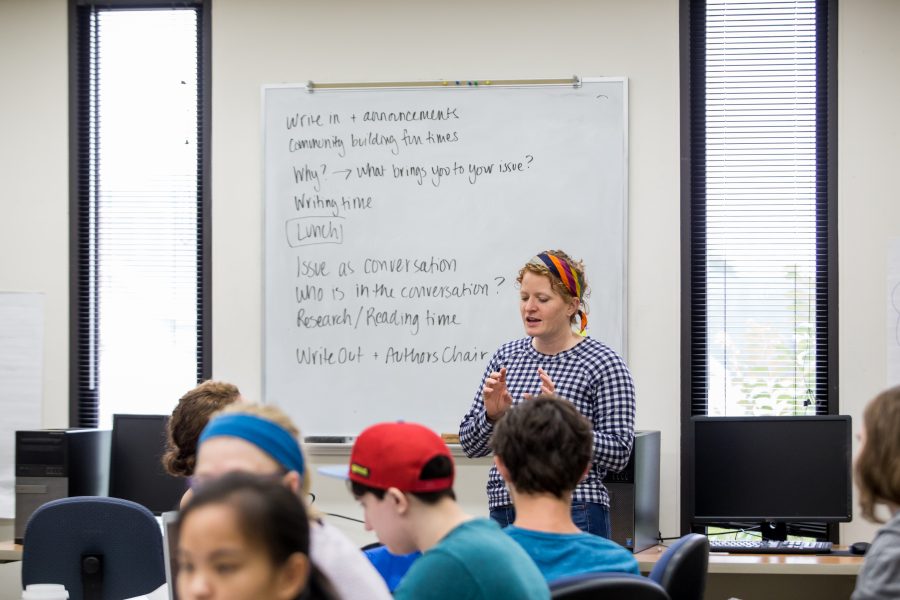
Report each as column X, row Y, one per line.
column 262, row 440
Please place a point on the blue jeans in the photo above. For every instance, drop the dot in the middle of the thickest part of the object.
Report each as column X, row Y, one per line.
column 587, row 516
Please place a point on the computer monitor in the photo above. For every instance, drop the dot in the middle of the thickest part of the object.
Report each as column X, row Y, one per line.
column 135, row 471
column 771, row 470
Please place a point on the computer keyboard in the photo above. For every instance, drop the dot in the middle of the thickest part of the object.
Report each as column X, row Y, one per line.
column 769, row 547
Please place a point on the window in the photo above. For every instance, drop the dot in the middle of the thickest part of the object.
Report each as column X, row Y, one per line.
column 759, row 243
column 140, row 231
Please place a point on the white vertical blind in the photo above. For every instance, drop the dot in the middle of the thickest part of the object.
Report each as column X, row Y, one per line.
column 761, row 255
column 144, row 197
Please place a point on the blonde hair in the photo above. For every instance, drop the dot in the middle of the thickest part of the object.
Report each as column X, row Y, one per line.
column 556, row 283
column 276, row 415
column 877, row 468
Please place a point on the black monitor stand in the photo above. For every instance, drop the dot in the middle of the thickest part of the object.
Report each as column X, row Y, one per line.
column 773, row 531
column 769, row 530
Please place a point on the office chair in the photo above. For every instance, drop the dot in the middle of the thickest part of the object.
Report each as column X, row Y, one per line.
column 99, row 548
column 681, row 570
column 608, row 586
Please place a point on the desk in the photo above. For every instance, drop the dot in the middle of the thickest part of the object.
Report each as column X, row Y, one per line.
column 772, row 576
column 10, row 552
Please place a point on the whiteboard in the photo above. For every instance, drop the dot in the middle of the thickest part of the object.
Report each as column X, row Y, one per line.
column 396, row 221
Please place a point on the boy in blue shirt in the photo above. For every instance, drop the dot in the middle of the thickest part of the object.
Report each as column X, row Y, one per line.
column 402, row 474
column 542, row 448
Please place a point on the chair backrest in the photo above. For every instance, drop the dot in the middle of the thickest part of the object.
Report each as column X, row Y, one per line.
column 124, row 534
column 682, row 569
column 608, row 586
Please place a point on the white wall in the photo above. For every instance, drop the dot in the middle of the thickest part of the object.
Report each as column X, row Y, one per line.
column 284, row 41
column 869, row 199
column 34, row 172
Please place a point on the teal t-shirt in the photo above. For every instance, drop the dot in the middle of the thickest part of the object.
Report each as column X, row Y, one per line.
column 474, row 561
column 564, row 554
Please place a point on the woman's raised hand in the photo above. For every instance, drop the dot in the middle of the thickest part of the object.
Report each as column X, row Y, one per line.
column 497, row 399
column 547, row 386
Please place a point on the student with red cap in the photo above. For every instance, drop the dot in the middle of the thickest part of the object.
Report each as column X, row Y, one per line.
column 402, row 475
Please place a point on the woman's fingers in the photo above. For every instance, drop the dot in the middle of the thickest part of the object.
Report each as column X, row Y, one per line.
column 547, row 386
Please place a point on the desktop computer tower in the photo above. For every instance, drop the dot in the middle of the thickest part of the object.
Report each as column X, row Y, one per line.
column 58, row 463
column 634, row 495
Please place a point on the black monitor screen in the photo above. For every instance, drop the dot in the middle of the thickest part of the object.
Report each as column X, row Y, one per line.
column 136, row 472
column 778, row 469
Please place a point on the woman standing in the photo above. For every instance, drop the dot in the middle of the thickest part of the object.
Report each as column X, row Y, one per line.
column 878, row 480
column 554, row 358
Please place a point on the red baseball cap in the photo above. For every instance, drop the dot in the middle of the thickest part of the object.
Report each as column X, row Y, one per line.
column 393, row 454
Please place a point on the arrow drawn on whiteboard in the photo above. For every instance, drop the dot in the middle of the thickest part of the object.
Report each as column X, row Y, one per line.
column 347, row 171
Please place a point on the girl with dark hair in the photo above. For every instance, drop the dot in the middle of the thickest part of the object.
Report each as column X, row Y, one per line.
column 243, row 537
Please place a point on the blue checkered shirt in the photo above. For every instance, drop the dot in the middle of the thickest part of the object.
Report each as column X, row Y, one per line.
column 593, row 377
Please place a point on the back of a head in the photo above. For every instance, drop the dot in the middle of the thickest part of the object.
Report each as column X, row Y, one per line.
column 877, row 466
column 545, row 445
column 268, row 515
column 405, row 456
column 190, row 416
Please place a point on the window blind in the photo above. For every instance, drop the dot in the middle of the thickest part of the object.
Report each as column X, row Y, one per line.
column 760, row 213
column 759, row 300
column 140, row 253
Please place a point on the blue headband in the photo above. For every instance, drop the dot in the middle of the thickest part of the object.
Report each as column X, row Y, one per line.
column 269, row 437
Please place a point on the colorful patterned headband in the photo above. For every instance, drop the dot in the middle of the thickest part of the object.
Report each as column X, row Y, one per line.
column 562, row 270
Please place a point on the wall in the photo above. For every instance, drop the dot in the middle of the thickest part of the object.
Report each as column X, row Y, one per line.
column 280, row 41
column 34, row 169
column 869, row 202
